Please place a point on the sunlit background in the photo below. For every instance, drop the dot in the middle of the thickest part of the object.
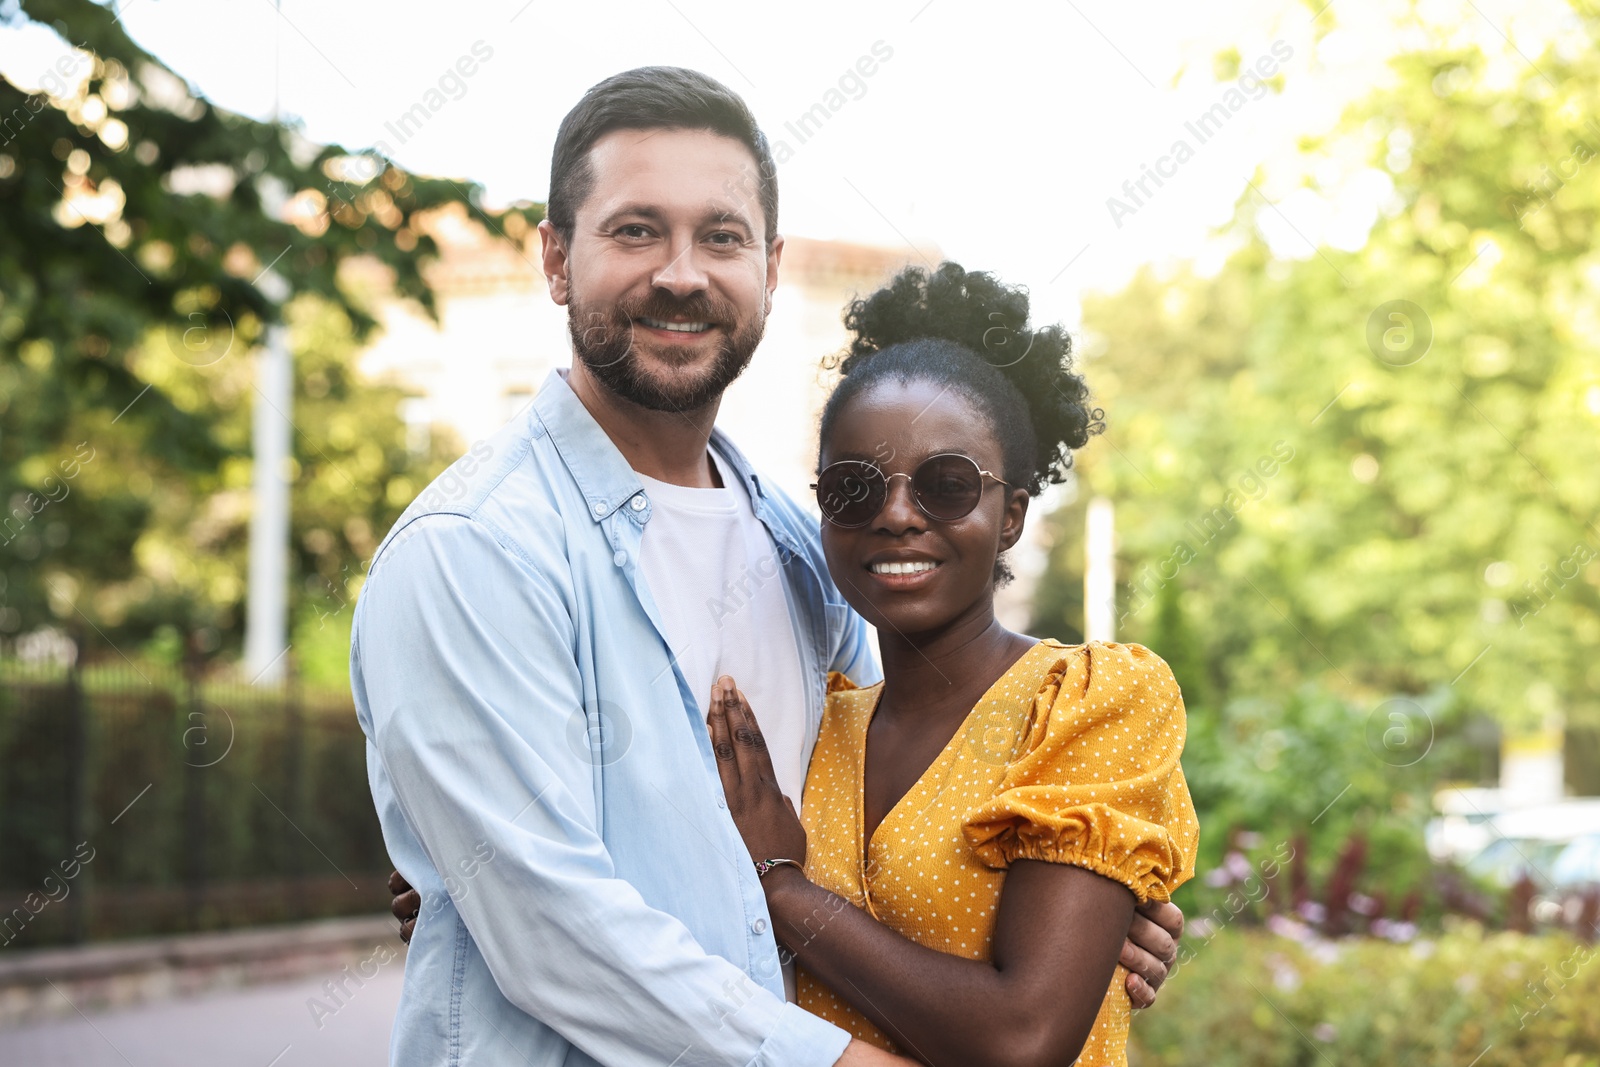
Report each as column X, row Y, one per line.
column 265, row 269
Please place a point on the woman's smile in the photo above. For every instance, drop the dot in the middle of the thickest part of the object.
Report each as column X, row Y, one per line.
column 898, row 570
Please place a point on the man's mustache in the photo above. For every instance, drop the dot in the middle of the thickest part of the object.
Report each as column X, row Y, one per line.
column 698, row 308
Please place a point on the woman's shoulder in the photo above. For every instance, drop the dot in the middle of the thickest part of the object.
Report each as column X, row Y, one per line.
column 1103, row 663
column 1096, row 780
column 1105, row 650
column 1098, row 679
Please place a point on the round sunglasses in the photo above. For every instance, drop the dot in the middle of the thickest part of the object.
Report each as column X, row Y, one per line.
column 945, row 488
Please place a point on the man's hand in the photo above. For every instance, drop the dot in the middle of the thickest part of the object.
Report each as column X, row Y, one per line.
column 407, row 903
column 861, row 1054
column 1151, row 949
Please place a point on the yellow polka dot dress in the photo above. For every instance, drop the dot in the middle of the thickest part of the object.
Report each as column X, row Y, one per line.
column 1071, row 757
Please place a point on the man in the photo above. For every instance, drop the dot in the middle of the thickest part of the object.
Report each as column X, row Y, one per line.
column 533, row 650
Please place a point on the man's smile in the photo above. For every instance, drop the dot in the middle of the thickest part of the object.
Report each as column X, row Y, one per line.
column 675, row 327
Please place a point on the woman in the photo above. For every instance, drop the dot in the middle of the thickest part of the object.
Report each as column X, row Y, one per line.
column 998, row 805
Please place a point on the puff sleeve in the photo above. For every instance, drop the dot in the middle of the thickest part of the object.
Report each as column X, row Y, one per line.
column 1096, row 782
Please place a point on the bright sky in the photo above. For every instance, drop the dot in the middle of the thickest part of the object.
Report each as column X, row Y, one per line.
column 994, row 133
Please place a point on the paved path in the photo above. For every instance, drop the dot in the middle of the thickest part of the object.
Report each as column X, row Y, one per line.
column 260, row 1026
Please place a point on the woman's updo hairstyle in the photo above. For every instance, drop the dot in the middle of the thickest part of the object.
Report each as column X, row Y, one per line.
column 969, row 332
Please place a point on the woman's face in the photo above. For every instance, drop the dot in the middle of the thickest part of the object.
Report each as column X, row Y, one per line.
column 896, row 426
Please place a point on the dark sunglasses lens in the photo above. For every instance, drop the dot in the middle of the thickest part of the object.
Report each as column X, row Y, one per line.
column 948, row 487
column 850, row 494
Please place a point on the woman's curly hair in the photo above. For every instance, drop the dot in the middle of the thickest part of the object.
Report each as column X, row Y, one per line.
column 969, row 331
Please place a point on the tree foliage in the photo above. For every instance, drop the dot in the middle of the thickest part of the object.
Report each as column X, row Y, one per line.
column 1383, row 497
column 148, row 239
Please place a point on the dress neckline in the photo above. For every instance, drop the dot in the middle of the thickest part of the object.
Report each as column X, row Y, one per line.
column 944, row 761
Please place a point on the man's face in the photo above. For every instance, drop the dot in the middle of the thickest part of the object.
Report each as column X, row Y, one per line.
column 668, row 278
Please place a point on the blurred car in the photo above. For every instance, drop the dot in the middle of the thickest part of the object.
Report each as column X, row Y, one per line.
column 1565, row 820
column 1463, row 827
column 1578, row 864
column 1496, row 842
column 1508, row 858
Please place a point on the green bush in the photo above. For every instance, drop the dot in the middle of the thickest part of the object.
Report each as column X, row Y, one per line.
column 1249, row 997
column 1309, row 774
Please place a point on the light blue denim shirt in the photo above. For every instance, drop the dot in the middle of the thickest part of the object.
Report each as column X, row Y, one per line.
column 544, row 776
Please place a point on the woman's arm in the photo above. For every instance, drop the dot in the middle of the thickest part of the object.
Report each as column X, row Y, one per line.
column 1056, row 941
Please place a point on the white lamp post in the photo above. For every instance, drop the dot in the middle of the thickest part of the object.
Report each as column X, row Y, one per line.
column 266, row 623
column 1100, row 572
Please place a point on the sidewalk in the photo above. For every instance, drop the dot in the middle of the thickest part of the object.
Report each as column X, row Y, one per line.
column 269, row 1025
column 49, row 983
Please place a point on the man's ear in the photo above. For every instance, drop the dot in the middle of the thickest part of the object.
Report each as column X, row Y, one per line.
column 1016, row 516
column 553, row 259
column 774, row 254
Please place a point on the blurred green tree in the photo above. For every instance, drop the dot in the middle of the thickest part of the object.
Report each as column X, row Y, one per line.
column 149, row 239
column 1385, row 498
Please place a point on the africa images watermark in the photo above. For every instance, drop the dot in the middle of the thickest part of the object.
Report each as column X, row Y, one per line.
column 1251, row 85
column 25, row 506
column 852, row 82
column 54, row 84
column 1537, row 595
column 453, row 485
column 56, row 887
column 457, row 889
column 451, row 85
column 1566, row 971
column 739, row 592
column 1251, row 487
column 338, row 990
column 1254, row 882
column 1537, row 194
column 850, row 86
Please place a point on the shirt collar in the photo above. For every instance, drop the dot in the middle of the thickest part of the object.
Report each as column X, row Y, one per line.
column 740, row 466
column 603, row 475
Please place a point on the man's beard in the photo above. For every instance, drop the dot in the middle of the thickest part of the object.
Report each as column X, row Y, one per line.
column 605, row 345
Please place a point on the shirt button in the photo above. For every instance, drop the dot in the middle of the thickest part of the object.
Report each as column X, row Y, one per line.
column 722, row 803
column 759, row 926
column 620, row 559
column 599, row 507
column 637, row 503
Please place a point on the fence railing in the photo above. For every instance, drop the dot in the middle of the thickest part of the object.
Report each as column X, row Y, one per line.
column 136, row 800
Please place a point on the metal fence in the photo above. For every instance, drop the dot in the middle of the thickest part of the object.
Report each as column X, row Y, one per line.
column 137, row 801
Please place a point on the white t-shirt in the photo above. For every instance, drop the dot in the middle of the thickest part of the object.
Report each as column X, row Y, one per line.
column 714, row 572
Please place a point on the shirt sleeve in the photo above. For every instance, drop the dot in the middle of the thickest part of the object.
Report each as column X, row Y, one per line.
column 852, row 654
column 466, row 655
column 1098, row 783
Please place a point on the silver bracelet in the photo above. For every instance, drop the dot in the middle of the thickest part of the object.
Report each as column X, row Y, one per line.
column 763, row 866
